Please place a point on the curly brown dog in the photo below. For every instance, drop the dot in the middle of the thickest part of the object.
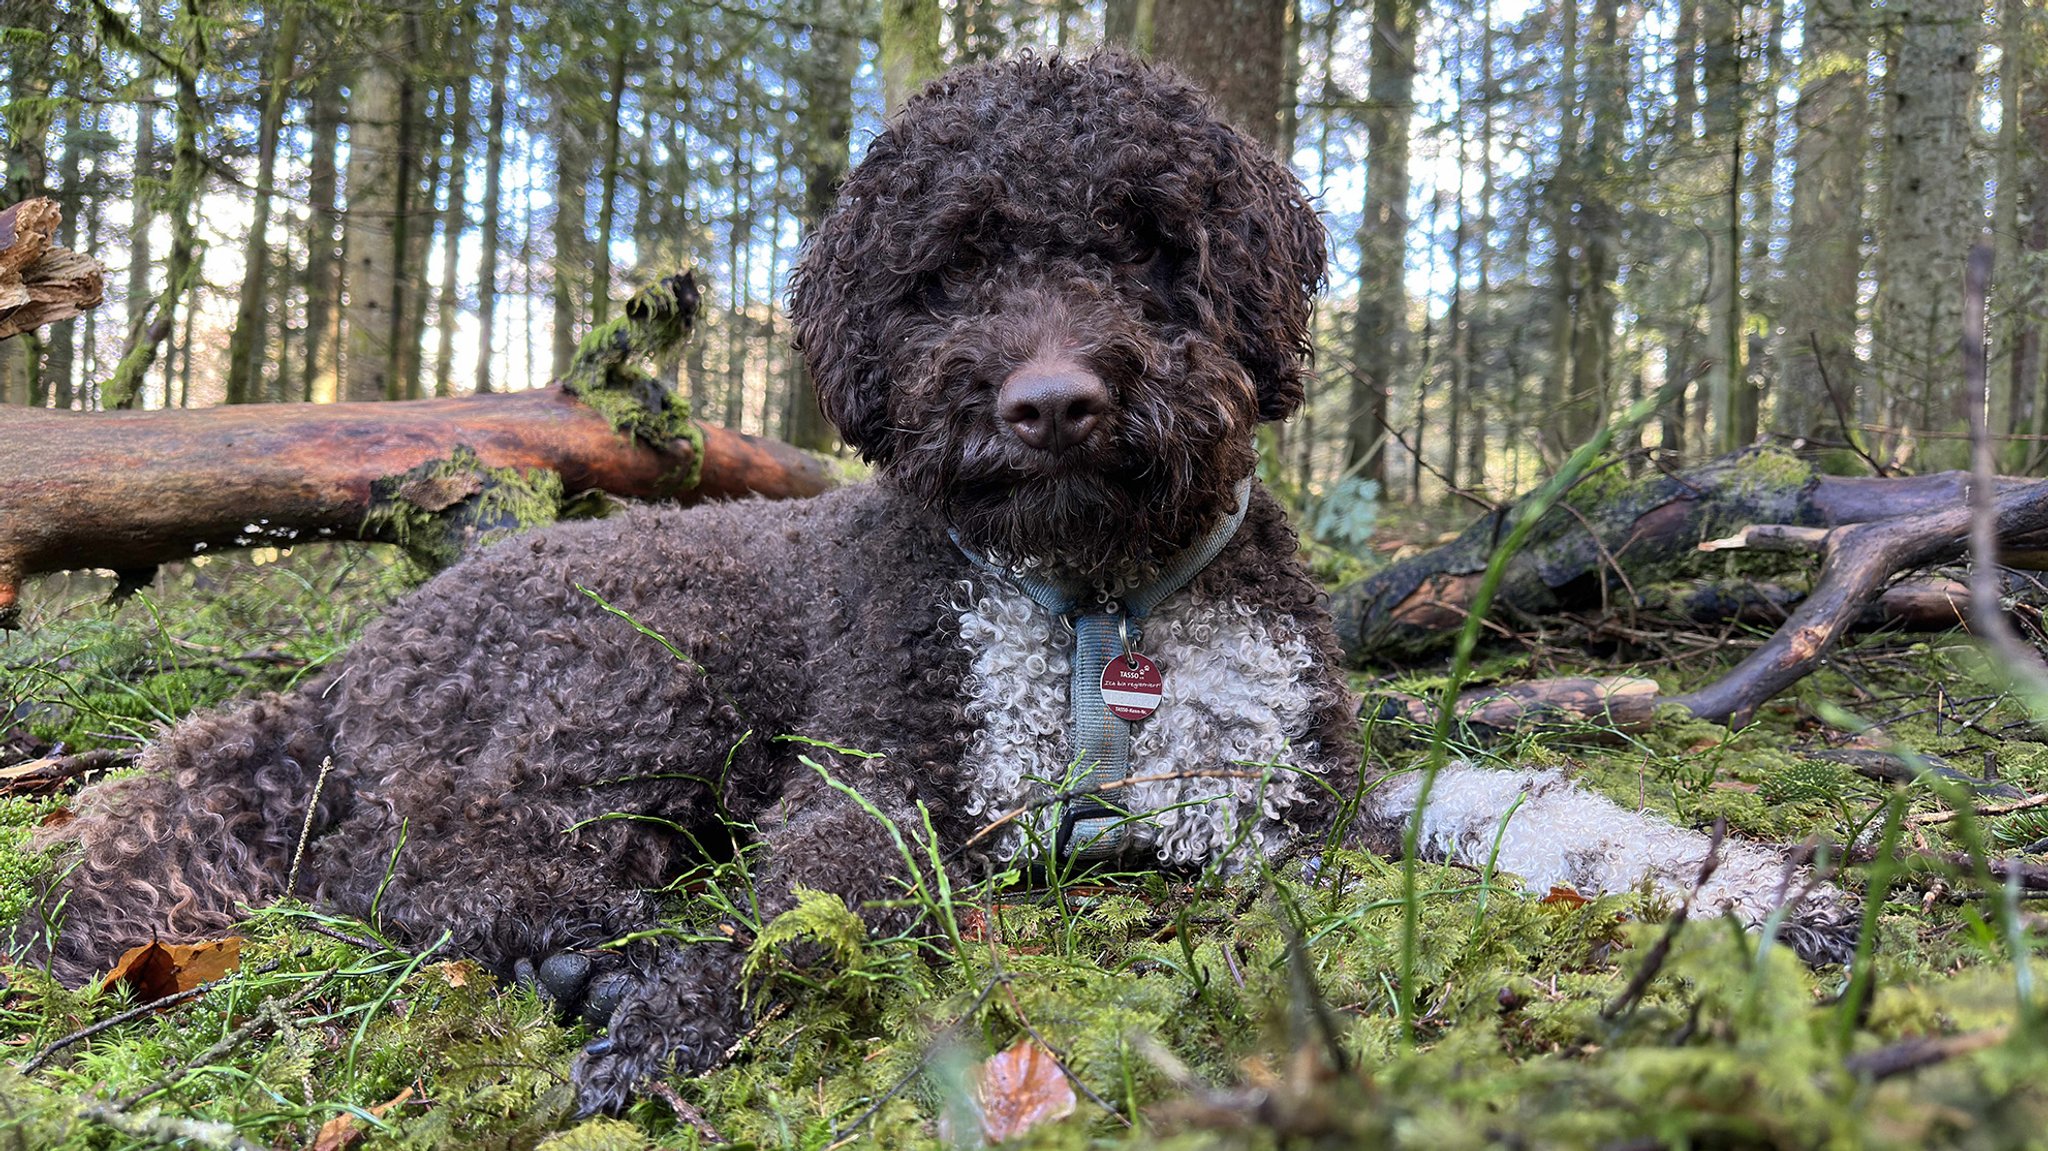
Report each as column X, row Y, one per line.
column 1052, row 306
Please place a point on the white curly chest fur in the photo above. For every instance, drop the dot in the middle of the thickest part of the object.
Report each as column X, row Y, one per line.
column 1236, row 701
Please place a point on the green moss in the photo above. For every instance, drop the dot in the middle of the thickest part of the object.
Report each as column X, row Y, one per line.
column 607, row 375
column 443, row 508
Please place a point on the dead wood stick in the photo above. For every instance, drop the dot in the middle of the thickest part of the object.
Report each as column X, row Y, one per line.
column 129, row 490
column 1859, row 559
column 41, row 283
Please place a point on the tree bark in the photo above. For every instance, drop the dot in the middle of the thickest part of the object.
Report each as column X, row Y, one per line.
column 454, row 221
column 1933, row 214
column 1723, row 74
column 827, row 80
column 909, row 49
column 1237, row 50
column 377, row 195
column 323, row 262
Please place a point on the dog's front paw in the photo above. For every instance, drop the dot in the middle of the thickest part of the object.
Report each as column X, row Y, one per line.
column 579, row 985
column 682, row 1012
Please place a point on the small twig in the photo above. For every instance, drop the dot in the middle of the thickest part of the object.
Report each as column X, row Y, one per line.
column 1053, row 1055
column 2020, row 660
column 1660, row 952
column 2028, row 804
column 684, row 1111
column 36, row 1062
column 1066, row 794
column 39, row 1059
column 46, row 774
column 291, row 879
column 1841, row 410
column 271, row 1014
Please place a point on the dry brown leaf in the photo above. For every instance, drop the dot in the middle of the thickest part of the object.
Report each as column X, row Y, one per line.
column 1020, row 1088
column 155, row 970
column 1563, row 896
column 56, row 817
column 341, row 1131
column 458, row 972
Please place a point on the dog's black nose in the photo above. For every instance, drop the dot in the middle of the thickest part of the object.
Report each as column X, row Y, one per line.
column 1053, row 406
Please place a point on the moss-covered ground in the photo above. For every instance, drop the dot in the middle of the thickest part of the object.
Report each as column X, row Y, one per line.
column 1196, row 1012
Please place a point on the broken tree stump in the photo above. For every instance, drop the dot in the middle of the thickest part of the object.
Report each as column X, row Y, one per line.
column 41, row 283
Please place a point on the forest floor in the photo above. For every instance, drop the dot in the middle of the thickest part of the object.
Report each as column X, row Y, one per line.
column 1257, row 1012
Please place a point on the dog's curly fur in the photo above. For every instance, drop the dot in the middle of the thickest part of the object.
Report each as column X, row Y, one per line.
column 1094, row 210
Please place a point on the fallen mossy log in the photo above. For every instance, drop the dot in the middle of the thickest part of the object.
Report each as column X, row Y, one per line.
column 1622, row 703
column 131, row 490
column 1611, row 535
column 41, row 283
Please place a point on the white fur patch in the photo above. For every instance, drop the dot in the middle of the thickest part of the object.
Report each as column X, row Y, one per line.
column 1564, row 836
column 1236, row 699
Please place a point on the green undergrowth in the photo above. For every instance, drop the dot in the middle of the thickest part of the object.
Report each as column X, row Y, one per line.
column 1258, row 1010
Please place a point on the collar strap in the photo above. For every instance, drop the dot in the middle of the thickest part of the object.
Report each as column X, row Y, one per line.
column 1063, row 600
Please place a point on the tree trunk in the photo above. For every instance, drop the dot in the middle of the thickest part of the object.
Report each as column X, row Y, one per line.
column 1599, row 226
column 61, row 352
column 1237, row 50
column 1554, row 438
column 1763, row 268
column 1129, row 24
column 608, row 183
column 246, row 353
column 572, row 243
column 494, row 195
column 454, row 221
column 1823, row 250
column 378, row 173
column 1723, row 75
column 827, row 80
column 181, row 195
column 1933, row 214
column 909, row 49
column 137, row 489
column 323, row 262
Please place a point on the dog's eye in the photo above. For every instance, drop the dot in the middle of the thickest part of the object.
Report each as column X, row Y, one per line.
column 938, row 297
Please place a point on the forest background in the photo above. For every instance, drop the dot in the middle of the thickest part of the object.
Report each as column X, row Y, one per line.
column 1539, row 209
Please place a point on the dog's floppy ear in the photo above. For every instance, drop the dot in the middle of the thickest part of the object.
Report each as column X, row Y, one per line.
column 837, row 329
column 1275, row 268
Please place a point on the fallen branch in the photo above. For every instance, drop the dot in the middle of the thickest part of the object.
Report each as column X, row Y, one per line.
column 41, row 283
column 1859, row 559
column 1615, row 535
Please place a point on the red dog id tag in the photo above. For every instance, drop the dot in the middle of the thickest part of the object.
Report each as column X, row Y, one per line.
column 1131, row 686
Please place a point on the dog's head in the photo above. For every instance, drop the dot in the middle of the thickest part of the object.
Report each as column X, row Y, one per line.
column 1054, row 301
